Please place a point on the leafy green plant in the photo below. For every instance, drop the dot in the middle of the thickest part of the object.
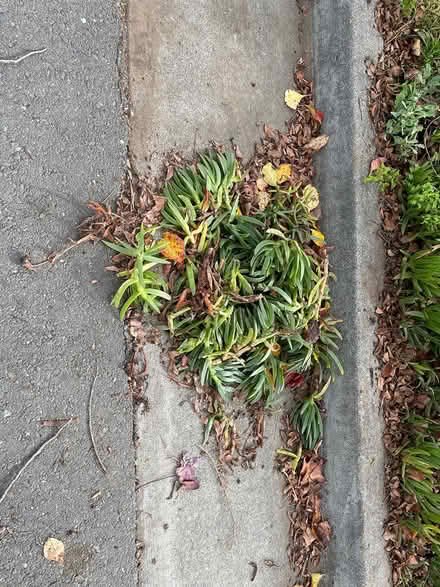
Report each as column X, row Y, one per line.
column 431, row 47
column 431, row 17
column 271, row 293
column 387, row 177
column 422, row 189
column 306, row 417
column 416, row 102
column 419, row 335
column 408, row 7
column 420, row 464
column 141, row 285
column 247, row 292
column 434, row 565
column 423, row 269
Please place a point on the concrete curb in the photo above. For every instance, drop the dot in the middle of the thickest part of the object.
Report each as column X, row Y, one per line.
column 343, row 37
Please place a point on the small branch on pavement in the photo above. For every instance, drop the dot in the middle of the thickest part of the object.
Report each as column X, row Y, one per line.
column 31, row 459
column 53, row 257
column 25, row 56
column 92, row 438
column 154, row 480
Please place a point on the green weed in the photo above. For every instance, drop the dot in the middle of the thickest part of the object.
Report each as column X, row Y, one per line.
column 247, row 295
column 306, row 417
column 414, row 105
column 423, row 269
column 141, row 285
column 387, row 177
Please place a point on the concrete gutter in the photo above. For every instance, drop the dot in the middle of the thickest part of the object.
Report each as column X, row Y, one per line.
column 343, row 37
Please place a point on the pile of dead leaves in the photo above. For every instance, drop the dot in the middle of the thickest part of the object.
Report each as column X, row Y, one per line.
column 309, row 532
column 294, row 147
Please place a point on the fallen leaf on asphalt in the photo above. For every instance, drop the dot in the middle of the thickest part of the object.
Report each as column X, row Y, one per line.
column 317, row 143
column 292, row 98
column 316, row 578
column 170, row 173
column 316, row 114
column 54, row 550
column 175, row 247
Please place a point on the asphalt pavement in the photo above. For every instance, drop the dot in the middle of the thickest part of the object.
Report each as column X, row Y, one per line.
column 62, row 142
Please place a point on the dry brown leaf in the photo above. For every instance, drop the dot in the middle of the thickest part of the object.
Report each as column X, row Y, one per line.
column 324, row 532
column 309, row 536
column 54, row 550
column 317, row 143
column 415, row 474
column 182, row 299
column 154, row 215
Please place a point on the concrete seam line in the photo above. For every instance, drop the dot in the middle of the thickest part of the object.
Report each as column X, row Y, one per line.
column 343, row 37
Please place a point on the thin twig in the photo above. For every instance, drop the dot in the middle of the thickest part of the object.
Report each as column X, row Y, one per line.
column 154, row 480
column 92, row 438
column 32, row 458
column 400, row 30
column 25, row 56
column 52, row 258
